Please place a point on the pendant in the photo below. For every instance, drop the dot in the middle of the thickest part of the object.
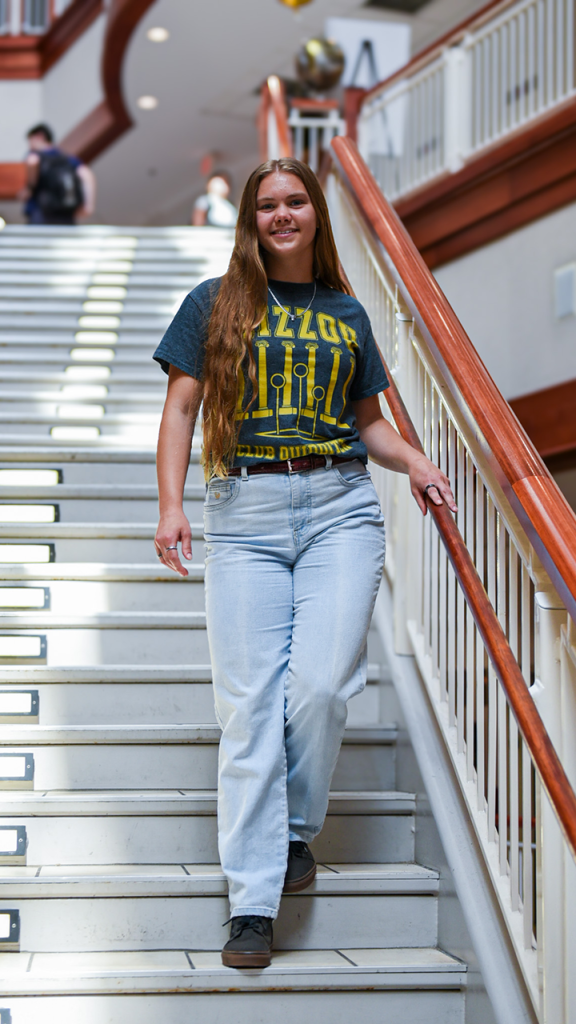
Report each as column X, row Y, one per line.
column 292, row 317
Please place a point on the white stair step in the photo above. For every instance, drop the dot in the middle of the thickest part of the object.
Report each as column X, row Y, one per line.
column 18, row 401
column 137, row 703
column 92, row 492
column 70, row 542
column 108, row 572
column 400, row 998
column 306, row 921
column 137, row 695
column 169, row 756
column 103, row 510
column 77, row 646
column 65, row 597
column 103, row 621
column 403, row 986
column 180, row 827
column 143, row 880
column 113, row 381
column 205, row 734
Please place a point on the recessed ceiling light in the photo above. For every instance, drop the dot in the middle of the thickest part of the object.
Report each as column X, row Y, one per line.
column 158, row 35
column 147, row 102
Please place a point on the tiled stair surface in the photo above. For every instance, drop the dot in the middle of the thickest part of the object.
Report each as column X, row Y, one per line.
column 112, row 899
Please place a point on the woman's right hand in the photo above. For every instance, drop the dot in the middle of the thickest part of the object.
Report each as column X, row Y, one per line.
column 173, row 528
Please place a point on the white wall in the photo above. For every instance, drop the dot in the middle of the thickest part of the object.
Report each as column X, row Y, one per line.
column 72, row 88
column 20, row 109
column 504, row 293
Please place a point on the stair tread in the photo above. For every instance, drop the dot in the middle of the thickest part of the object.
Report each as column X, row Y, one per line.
column 45, row 735
column 180, row 970
column 40, row 674
column 147, row 572
column 19, row 803
column 143, row 880
column 93, row 492
column 55, row 531
column 29, row 453
column 103, row 620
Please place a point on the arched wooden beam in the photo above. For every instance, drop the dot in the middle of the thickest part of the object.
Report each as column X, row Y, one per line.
column 110, row 119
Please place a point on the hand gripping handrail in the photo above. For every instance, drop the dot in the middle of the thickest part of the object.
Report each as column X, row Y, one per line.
column 510, row 447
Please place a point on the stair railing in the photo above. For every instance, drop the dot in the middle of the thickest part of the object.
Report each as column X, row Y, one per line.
column 509, row 65
column 486, row 602
column 29, row 17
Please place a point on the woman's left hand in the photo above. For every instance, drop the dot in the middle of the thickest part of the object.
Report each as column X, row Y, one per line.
column 427, row 480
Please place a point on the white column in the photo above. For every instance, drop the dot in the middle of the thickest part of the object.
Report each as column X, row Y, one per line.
column 15, row 17
column 457, row 111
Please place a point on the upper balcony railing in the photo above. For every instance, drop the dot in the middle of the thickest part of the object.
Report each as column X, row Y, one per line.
column 29, row 17
column 511, row 65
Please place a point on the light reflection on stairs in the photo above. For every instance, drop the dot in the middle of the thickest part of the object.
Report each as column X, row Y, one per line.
column 120, row 893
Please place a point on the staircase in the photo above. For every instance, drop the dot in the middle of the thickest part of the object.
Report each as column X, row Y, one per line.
column 112, row 900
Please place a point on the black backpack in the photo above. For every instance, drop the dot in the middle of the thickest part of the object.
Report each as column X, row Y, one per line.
column 59, row 189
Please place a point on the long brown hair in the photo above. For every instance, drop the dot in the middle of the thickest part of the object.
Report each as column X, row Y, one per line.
column 240, row 307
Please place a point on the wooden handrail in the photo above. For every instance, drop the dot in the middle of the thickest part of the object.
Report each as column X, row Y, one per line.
column 543, row 511
column 542, row 752
column 273, row 96
column 554, row 779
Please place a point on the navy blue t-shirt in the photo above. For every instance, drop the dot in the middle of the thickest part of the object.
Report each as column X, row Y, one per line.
column 310, row 370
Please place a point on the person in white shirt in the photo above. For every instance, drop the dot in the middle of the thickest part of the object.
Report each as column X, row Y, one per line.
column 215, row 209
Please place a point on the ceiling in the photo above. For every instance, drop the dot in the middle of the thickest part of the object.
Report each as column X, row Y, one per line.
column 206, row 77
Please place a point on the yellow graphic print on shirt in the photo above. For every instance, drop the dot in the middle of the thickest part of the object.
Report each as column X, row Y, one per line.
column 304, row 369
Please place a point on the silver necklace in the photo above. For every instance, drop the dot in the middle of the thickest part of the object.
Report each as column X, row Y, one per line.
column 293, row 315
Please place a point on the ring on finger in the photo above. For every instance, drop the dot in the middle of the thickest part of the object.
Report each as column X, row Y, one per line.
column 428, row 486
column 172, row 547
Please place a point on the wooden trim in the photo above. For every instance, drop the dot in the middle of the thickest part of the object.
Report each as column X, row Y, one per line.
column 543, row 511
column 277, row 94
column 353, row 99
column 542, row 752
column 26, row 57
column 19, row 58
column 110, row 119
column 548, row 418
column 273, row 95
column 526, row 176
column 71, row 24
column 12, row 179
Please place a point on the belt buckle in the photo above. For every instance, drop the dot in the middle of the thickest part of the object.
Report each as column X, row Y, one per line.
column 290, row 470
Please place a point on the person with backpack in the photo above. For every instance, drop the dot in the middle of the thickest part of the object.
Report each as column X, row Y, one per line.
column 59, row 187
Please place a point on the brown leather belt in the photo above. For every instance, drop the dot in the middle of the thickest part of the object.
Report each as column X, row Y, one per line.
column 301, row 465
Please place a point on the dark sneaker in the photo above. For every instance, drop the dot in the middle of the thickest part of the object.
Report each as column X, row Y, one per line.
column 250, row 942
column 301, row 870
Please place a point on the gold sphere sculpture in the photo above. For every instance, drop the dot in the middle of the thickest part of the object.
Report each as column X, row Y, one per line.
column 294, row 3
column 320, row 63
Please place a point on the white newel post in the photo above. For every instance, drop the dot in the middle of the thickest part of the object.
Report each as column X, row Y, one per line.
column 456, row 107
column 403, row 568
column 550, row 618
column 15, row 17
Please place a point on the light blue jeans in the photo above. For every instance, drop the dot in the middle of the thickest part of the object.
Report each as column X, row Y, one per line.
column 293, row 566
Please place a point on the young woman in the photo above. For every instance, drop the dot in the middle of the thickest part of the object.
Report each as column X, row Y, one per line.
column 285, row 363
